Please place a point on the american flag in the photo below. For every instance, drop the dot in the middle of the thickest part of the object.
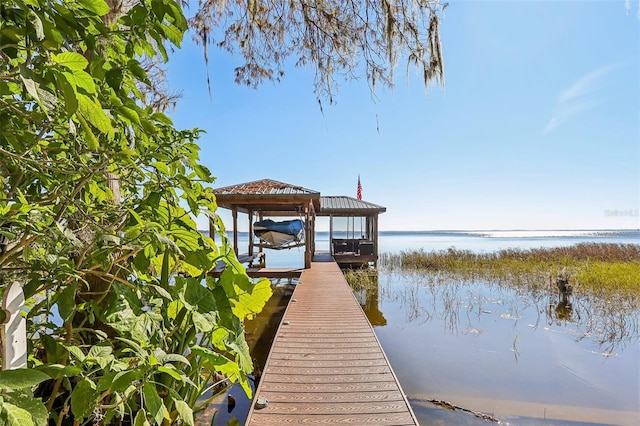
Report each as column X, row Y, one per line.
column 359, row 191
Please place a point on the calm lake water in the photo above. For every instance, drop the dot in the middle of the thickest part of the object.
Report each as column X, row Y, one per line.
column 523, row 358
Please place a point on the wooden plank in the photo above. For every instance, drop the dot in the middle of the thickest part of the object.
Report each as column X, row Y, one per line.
column 323, row 344
column 301, row 388
column 322, row 350
column 327, row 336
column 293, row 363
column 396, row 419
column 262, row 272
column 319, row 357
column 308, row 338
column 332, row 408
column 328, row 370
column 334, row 397
column 274, row 272
column 323, row 378
column 326, row 364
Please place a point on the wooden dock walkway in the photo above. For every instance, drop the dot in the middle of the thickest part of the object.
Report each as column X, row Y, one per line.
column 326, row 364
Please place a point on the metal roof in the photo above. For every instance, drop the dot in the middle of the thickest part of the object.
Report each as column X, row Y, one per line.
column 264, row 187
column 267, row 195
column 347, row 205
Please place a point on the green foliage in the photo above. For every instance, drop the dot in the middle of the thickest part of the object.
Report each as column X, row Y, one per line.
column 361, row 279
column 99, row 195
column 21, row 378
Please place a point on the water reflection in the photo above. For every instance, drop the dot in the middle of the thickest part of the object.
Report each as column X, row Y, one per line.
column 563, row 310
column 368, row 297
column 518, row 354
column 261, row 330
column 231, row 406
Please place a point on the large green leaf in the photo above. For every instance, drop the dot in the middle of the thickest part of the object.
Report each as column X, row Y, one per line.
column 92, row 112
column 197, row 297
column 70, row 94
column 218, row 362
column 34, row 406
column 66, row 303
column 83, row 399
column 82, row 80
column 241, row 349
column 173, row 34
column 72, row 60
column 21, row 378
column 101, row 355
column 37, row 25
column 204, row 322
column 123, row 380
column 11, row 415
column 140, row 327
column 56, row 371
column 247, row 298
column 224, row 305
column 141, row 419
column 186, row 239
column 171, row 371
column 153, row 403
column 75, row 351
column 100, row 7
column 185, row 413
column 32, row 88
column 92, row 141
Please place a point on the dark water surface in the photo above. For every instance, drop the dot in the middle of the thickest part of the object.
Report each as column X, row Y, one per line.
column 523, row 358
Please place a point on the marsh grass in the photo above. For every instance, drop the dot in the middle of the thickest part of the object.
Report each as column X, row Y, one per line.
column 596, row 268
column 361, row 279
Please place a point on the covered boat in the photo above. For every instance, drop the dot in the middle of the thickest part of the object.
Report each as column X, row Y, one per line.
column 279, row 235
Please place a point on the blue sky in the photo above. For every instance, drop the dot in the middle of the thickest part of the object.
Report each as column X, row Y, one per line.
column 538, row 126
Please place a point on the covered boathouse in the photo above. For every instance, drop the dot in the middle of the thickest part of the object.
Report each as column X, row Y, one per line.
column 353, row 223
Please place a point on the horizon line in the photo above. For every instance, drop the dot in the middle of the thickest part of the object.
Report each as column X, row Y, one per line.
column 492, row 230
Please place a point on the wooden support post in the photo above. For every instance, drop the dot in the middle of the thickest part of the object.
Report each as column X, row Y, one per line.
column 263, row 257
column 331, row 235
column 13, row 331
column 375, row 240
column 311, row 233
column 307, row 251
column 235, row 230
column 250, row 250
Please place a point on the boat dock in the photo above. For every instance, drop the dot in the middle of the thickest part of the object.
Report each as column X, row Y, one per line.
column 326, row 364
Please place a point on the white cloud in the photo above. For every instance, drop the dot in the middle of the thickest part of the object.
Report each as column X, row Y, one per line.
column 579, row 97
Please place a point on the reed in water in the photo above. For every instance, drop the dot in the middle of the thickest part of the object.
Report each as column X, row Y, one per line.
column 599, row 268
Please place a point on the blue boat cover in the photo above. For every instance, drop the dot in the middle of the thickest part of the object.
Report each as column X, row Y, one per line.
column 289, row 227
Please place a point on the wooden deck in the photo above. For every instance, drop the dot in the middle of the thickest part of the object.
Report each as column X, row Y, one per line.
column 326, row 364
column 259, row 271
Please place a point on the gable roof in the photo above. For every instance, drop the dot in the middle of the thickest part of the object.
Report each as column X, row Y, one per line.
column 265, row 187
column 347, row 206
column 266, row 195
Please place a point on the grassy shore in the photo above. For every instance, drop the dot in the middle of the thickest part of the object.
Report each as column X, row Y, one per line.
column 604, row 269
